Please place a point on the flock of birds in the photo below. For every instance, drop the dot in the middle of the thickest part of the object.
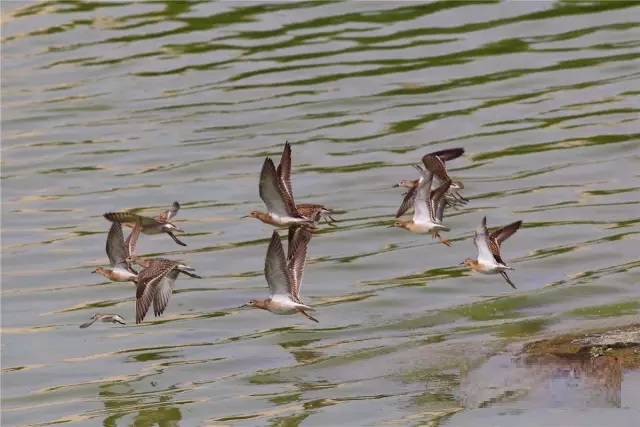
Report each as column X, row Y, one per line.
column 429, row 196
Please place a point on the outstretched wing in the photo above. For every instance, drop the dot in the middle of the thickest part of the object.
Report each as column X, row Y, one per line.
column 448, row 154
column 407, row 202
column 480, row 239
column 500, row 235
column 296, row 259
column 115, row 246
column 130, row 218
column 168, row 215
column 148, row 283
column 275, row 268
column 435, row 197
column 164, row 291
column 436, row 166
column 273, row 194
column 284, row 169
column 420, row 202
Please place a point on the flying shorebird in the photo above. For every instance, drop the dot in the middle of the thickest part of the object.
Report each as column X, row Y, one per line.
column 155, row 284
column 159, row 224
column 449, row 200
column 308, row 210
column 284, row 275
column 281, row 209
column 105, row 318
column 428, row 208
column 489, row 260
column 435, row 163
column 120, row 270
column 130, row 248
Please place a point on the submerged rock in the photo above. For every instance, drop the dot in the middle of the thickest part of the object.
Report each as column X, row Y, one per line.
column 620, row 343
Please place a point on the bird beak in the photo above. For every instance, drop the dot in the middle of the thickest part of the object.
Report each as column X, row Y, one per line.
column 391, row 226
column 244, row 305
column 462, row 263
column 246, row 216
column 94, row 271
column 397, row 185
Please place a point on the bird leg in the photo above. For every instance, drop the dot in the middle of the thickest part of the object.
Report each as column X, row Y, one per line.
column 307, row 315
column 504, row 274
column 330, row 221
column 435, row 234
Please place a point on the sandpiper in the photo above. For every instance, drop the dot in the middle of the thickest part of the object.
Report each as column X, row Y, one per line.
column 449, row 200
column 435, row 163
column 308, row 210
column 106, row 318
column 428, row 208
column 281, row 209
column 159, row 224
column 120, row 270
column 284, row 275
column 488, row 245
column 155, row 284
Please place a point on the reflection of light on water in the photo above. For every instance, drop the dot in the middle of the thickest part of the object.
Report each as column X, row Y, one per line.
column 594, row 382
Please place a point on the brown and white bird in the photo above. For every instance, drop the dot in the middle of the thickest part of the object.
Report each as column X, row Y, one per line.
column 284, row 275
column 488, row 244
column 156, row 225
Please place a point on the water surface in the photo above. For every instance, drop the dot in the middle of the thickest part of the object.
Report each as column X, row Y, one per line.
column 115, row 106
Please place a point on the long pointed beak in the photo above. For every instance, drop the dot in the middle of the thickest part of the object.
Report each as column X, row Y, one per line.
column 462, row 263
column 246, row 216
column 244, row 305
column 94, row 271
column 397, row 185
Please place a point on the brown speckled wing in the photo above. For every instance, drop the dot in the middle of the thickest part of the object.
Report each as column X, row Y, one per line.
column 131, row 218
column 448, row 154
column 148, row 282
column 434, row 200
column 436, row 166
column 500, row 235
column 284, row 169
column 296, row 259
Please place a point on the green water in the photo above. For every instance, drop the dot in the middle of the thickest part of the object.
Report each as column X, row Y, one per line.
column 115, row 106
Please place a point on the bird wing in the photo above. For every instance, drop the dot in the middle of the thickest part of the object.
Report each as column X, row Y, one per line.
column 436, row 166
column 480, row 239
column 435, row 197
column 130, row 217
column 147, row 285
column 448, row 154
column 420, row 207
column 130, row 246
column 275, row 268
column 500, row 235
column 164, row 291
column 284, row 169
column 89, row 323
column 273, row 194
column 407, row 202
column 296, row 259
column 440, row 211
column 168, row 215
column 115, row 246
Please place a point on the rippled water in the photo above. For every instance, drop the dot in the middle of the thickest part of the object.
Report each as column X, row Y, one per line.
column 115, row 106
